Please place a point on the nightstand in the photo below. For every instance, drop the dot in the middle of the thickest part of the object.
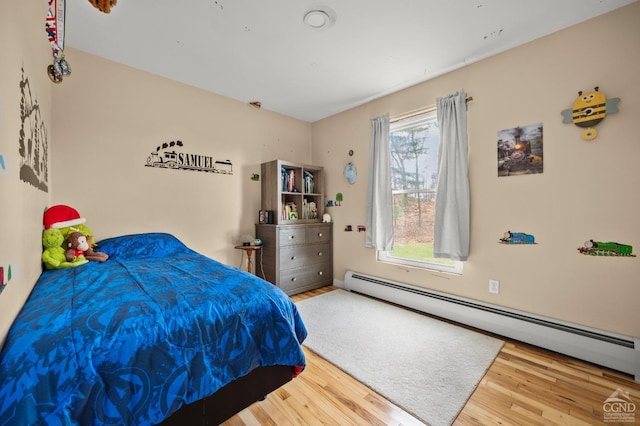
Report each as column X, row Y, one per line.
column 249, row 250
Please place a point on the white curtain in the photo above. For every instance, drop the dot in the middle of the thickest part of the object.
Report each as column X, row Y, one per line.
column 379, row 233
column 451, row 227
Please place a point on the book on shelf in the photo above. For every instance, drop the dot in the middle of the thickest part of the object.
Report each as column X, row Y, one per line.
column 309, row 209
column 289, row 211
column 288, row 180
column 308, row 182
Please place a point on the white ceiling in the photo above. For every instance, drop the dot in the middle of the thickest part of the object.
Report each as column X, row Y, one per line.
column 260, row 50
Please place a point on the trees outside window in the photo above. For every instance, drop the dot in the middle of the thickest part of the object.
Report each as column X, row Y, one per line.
column 414, row 146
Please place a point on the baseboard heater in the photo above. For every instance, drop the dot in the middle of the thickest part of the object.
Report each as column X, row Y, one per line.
column 610, row 350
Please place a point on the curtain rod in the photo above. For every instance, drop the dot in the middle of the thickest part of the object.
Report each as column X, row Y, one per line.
column 420, row 111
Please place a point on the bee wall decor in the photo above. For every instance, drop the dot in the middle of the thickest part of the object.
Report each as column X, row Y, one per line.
column 589, row 109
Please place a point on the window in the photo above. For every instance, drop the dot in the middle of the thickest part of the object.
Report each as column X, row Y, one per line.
column 414, row 146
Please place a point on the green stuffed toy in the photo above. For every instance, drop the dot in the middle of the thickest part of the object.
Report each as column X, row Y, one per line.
column 53, row 255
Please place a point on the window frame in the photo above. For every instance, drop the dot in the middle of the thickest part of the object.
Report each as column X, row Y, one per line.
column 403, row 123
column 456, row 268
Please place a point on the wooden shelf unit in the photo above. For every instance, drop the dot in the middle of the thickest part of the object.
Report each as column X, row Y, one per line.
column 276, row 195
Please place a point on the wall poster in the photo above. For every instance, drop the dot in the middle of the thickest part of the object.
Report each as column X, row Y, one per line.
column 520, row 150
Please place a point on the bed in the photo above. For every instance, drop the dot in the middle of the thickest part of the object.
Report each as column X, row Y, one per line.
column 157, row 334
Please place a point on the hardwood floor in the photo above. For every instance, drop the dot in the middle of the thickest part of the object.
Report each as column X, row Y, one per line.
column 525, row 385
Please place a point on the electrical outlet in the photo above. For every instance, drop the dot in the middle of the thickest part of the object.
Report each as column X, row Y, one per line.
column 494, row 286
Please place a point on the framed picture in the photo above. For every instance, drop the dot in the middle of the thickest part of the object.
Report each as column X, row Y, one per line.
column 520, row 150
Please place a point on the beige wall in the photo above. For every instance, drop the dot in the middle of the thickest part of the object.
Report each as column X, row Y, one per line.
column 107, row 120
column 24, row 45
column 589, row 190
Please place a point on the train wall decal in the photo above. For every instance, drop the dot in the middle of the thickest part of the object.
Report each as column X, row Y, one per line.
column 517, row 238
column 598, row 248
column 590, row 247
column 166, row 156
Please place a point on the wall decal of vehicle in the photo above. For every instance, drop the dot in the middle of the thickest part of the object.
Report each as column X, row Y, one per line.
column 517, row 238
column 598, row 248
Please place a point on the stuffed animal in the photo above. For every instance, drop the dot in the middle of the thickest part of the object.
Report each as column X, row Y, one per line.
column 95, row 256
column 103, row 5
column 68, row 220
column 68, row 230
column 53, row 255
column 79, row 245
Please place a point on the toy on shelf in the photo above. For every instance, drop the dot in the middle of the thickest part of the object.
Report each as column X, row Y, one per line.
column 517, row 238
column 598, row 248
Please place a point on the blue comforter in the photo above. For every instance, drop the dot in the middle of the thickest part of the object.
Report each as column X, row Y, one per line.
column 131, row 340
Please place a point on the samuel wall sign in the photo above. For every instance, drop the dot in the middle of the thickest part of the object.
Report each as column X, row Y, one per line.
column 170, row 155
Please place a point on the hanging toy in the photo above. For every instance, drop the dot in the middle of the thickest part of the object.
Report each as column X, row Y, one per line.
column 54, row 25
column 589, row 109
column 103, row 5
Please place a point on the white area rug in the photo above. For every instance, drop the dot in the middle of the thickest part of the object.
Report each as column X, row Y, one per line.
column 428, row 367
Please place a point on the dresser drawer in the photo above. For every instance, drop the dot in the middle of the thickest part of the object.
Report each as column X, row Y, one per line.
column 293, row 280
column 291, row 236
column 318, row 234
column 297, row 257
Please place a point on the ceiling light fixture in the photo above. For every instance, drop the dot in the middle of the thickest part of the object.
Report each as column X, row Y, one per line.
column 319, row 18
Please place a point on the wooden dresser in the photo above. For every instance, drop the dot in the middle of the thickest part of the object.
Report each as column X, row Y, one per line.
column 297, row 246
column 296, row 258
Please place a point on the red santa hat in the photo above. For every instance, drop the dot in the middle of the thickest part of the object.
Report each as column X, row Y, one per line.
column 61, row 216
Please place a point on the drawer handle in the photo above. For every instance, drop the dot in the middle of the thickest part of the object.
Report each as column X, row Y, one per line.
column 293, row 279
column 291, row 237
column 319, row 234
column 319, row 253
column 293, row 258
column 320, row 273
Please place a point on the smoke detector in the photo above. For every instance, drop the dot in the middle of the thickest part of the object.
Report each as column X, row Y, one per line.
column 319, row 18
